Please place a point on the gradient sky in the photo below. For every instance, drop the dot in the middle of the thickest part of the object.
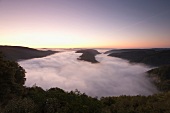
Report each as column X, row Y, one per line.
column 85, row 23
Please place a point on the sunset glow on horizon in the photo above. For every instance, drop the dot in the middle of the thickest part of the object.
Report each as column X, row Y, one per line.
column 85, row 23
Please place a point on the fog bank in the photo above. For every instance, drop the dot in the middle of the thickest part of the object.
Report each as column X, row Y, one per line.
column 111, row 77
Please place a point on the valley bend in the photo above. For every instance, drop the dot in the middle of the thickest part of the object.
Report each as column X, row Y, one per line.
column 84, row 56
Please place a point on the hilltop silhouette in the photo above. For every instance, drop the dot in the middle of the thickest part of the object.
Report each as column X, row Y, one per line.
column 88, row 55
column 16, row 53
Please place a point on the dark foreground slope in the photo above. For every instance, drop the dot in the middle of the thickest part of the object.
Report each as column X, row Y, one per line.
column 16, row 53
column 88, row 55
column 147, row 56
column 16, row 98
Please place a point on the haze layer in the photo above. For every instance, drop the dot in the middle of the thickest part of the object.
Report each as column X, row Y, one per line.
column 111, row 77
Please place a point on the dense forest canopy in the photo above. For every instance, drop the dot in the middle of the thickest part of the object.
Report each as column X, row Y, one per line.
column 161, row 77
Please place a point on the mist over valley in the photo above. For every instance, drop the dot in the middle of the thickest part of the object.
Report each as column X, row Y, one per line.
column 110, row 77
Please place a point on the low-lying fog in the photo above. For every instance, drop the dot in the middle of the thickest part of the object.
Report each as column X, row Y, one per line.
column 111, row 77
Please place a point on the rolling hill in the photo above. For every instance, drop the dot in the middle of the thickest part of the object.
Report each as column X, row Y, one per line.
column 16, row 53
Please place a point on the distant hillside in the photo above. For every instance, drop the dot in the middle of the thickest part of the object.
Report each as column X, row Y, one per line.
column 124, row 50
column 159, row 58
column 131, row 50
column 88, row 55
column 16, row 53
column 161, row 77
column 147, row 56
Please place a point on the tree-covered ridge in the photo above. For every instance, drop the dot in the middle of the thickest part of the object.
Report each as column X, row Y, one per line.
column 56, row 100
column 147, row 56
column 161, row 77
column 16, row 53
column 158, row 103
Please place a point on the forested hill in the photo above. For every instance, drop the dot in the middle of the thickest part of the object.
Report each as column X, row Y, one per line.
column 152, row 57
column 88, row 55
column 16, row 53
column 161, row 77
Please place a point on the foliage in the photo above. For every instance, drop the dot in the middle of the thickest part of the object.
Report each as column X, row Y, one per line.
column 161, row 77
column 38, row 95
column 12, row 79
column 18, row 105
column 158, row 103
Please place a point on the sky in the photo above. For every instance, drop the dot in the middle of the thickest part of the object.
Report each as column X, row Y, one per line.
column 85, row 23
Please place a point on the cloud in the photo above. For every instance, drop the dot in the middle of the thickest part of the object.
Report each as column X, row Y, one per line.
column 111, row 77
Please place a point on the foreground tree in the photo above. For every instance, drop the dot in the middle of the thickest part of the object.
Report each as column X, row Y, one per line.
column 12, row 79
column 18, row 105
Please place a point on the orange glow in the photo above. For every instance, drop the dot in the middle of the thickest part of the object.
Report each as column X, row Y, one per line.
column 51, row 25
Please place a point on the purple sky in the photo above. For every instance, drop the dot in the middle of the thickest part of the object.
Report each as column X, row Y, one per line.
column 85, row 23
